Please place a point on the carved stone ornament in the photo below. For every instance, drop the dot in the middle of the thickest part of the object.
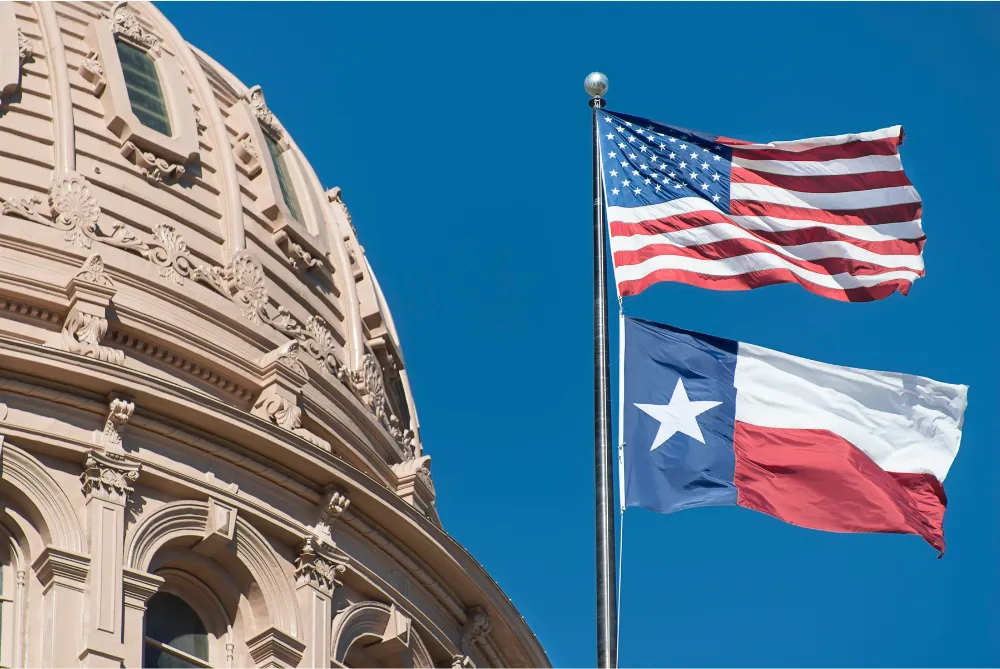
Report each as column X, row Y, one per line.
column 287, row 355
column 297, row 256
column 109, row 476
column 199, row 122
column 25, row 47
column 125, row 24
column 476, row 627
column 152, row 167
column 82, row 334
column 247, row 154
column 93, row 271
column 120, row 410
column 92, row 70
column 335, row 502
column 317, row 570
column 255, row 97
column 74, row 209
column 279, row 410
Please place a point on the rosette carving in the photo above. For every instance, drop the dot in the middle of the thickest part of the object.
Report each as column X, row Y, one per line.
column 74, row 209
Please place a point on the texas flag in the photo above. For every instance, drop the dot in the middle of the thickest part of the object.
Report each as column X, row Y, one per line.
column 713, row 422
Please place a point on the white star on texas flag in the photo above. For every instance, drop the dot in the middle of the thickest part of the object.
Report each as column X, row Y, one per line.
column 681, row 415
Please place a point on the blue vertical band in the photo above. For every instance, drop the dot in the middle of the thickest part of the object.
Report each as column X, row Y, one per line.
column 682, row 472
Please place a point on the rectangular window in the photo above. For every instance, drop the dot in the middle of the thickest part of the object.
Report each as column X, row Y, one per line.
column 284, row 178
column 145, row 94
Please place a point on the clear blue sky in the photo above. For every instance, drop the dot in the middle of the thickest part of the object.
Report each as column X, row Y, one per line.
column 460, row 135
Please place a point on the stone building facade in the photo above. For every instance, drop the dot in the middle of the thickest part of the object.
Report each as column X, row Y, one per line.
column 210, row 452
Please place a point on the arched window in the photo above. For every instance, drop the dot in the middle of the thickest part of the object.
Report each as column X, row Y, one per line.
column 145, row 94
column 284, row 178
column 175, row 635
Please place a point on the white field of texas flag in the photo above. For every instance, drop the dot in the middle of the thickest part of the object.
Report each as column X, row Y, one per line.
column 837, row 215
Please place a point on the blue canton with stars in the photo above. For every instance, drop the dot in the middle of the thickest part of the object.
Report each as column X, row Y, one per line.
column 647, row 163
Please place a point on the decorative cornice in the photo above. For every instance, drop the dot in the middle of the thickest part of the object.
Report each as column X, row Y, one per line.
column 316, row 569
column 255, row 97
column 138, row 587
column 125, row 24
column 92, row 271
column 29, row 310
column 109, row 476
column 120, row 409
column 126, row 340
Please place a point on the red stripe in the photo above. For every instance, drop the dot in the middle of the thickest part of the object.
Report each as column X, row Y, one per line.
column 858, row 149
column 817, row 479
column 782, row 238
column 732, row 248
column 832, row 183
column 760, row 279
column 894, row 213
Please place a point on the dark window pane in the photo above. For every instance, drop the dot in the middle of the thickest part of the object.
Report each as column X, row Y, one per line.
column 284, row 179
column 145, row 94
column 156, row 657
column 171, row 621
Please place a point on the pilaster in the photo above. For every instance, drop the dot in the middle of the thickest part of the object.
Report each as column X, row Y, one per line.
column 138, row 587
column 63, row 575
column 317, row 571
column 107, row 483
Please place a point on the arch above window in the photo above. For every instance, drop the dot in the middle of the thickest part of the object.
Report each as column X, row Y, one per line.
column 146, row 102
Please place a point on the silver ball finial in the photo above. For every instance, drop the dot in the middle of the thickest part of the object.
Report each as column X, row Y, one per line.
column 596, row 84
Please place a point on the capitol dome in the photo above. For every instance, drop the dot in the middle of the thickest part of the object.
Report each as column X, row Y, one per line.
column 210, row 452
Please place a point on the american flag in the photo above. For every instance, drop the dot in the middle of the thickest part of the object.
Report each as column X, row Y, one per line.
column 835, row 214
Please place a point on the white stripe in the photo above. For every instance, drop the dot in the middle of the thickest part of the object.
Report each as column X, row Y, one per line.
column 811, row 251
column 872, row 233
column 819, row 168
column 756, row 262
column 813, row 142
column 859, row 199
column 908, row 230
column 905, row 423
column 652, row 212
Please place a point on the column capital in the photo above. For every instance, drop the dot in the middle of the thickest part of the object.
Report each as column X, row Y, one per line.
column 318, row 567
column 109, row 476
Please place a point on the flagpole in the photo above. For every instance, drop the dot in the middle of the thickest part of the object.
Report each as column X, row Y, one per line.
column 596, row 85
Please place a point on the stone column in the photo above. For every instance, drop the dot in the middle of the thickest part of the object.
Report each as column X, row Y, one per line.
column 138, row 587
column 107, row 482
column 316, row 572
column 63, row 576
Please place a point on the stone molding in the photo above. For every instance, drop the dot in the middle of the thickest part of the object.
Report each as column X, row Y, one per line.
column 188, row 518
column 274, row 648
column 109, row 476
column 138, row 587
column 61, row 567
column 61, row 526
